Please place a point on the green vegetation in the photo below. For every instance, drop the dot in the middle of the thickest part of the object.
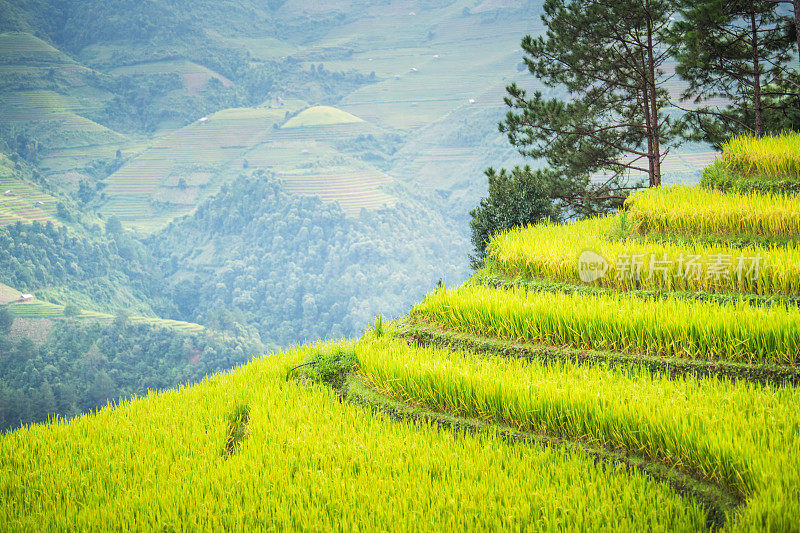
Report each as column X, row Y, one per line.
column 516, row 198
column 103, row 273
column 291, row 171
column 271, row 257
column 694, row 211
column 713, row 428
column 609, row 116
column 309, row 461
column 736, row 60
column 623, row 323
column 79, row 365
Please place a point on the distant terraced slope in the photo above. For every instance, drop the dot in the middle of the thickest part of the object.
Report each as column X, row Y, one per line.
column 320, row 116
column 39, row 309
column 41, row 87
column 20, row 200
column 194, row 76
column 184, row 167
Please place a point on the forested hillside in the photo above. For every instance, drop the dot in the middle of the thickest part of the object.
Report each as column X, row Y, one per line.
column 103, row 271
column 79, row 366
column 296, row 267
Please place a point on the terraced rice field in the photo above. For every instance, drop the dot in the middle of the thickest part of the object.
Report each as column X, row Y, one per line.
column 302, row 459
column 419, row 73
column 302, row 155
column 21, row 203
column 622, row 323
column 768, row 156
column 735, row 434
column 561, row 253
column 56, row 119
column 75, row 158
column 17, row 47
column 41, row 309
column 201, row 147
column 263, row 48
column 352, row 189
column 498, row 408
column 691, row 210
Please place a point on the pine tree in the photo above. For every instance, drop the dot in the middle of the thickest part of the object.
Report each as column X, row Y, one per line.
column 795, row 6
column 607, row 55
column 733, row 52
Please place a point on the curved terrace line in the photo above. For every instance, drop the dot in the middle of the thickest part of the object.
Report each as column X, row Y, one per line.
column 719, row 502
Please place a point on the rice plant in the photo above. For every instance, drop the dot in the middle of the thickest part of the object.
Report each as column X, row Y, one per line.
column 734, row 332
column 309, row 462
column 738, row 434
column 696, row 211
column 555, row 251
column 775, row 155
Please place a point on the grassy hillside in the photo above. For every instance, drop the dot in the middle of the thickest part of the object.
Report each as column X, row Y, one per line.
column 531, row 397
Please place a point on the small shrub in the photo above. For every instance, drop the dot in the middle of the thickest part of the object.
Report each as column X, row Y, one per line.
column 332, row 367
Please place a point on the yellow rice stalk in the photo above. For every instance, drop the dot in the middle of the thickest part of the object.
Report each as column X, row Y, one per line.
column 777, row 155
column 695, row 211
column 738, row 433
column 553, row 252
column 309, row 463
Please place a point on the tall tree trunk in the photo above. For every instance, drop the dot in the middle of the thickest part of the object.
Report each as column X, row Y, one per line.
column 649, row 129
column 756, row 77
column 648, row 123
column 655, row 127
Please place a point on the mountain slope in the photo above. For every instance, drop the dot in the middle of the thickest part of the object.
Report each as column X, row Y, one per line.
column 298, row 268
